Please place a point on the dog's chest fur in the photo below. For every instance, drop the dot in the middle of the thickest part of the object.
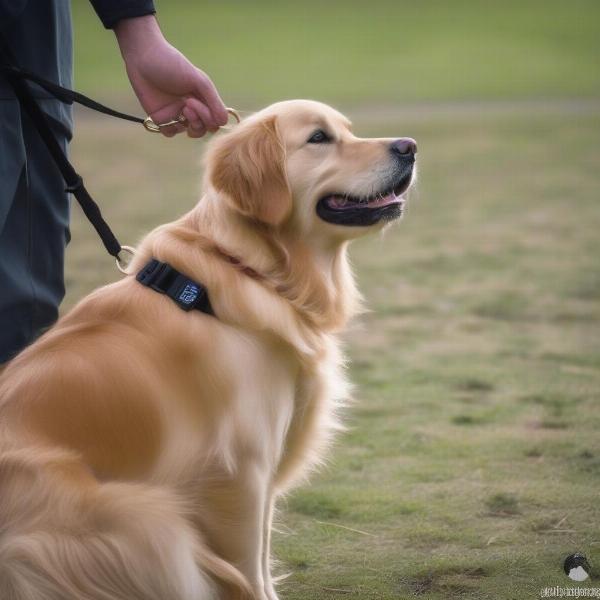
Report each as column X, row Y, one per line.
column 265, row 405
column 321, row 390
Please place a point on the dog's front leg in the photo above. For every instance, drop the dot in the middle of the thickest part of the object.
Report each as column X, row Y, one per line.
column 233, row 510
column 266, row 555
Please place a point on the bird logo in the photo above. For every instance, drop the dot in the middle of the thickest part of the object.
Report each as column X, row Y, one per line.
column 577, row 567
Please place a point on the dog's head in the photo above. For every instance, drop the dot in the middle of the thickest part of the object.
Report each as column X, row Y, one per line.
column 298, row 165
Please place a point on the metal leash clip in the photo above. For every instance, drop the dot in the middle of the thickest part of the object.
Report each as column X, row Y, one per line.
column 150, row 125
column 234, row 113
column 153, row 127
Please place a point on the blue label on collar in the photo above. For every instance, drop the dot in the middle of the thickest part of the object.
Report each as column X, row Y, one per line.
column 189, row 294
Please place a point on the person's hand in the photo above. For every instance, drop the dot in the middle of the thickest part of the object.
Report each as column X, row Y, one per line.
column 166, row 83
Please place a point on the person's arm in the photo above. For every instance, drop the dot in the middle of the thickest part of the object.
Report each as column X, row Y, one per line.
column 166, row 83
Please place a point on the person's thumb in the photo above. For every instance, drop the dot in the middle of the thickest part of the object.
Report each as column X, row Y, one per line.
column 206, row 92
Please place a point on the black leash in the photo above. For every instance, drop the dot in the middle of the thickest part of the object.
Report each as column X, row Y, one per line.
column 17, row 78
column 161, row 277
column 74, row 182
column 68, row 96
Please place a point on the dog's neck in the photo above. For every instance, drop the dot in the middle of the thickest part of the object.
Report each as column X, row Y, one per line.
column 317, row 281
column 266, row 280
column 259, row 279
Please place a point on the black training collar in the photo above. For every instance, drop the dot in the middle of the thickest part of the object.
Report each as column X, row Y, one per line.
column 185, row 292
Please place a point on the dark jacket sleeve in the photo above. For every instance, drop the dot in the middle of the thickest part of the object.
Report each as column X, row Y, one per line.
column 112, row 11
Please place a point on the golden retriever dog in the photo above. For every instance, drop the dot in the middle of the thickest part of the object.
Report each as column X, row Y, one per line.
column 143, row 447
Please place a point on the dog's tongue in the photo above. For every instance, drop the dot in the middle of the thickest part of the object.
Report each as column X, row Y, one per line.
column 341, row 202
column 384, row 201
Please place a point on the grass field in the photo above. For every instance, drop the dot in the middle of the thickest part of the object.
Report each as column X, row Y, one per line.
column 473, row 461
column 354, row 51
column 472, row 464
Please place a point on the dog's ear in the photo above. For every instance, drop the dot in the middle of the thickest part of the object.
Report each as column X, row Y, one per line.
column 248, row 166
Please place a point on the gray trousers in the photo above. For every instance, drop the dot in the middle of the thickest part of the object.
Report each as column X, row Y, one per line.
column 32, row 244
column 34, row 207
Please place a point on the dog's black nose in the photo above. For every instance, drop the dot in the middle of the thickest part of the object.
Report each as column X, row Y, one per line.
column 404, row 146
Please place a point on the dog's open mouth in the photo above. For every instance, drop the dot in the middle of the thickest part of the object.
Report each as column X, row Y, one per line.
column 385, row 205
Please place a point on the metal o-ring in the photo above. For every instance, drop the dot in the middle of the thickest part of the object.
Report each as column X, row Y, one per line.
column 122, row 264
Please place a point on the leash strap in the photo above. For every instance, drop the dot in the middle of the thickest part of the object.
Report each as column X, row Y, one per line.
column 68, row 96
column 185, row 292
column 74, row 182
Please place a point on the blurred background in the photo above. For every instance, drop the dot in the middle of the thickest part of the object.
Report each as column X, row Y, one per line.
column 472, row 465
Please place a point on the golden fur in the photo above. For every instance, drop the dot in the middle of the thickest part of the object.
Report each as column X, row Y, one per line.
column 142, row 447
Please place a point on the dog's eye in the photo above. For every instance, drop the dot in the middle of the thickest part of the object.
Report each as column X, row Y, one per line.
column 319, row 137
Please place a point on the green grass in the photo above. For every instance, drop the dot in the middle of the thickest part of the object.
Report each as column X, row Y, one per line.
column 471, row 467
column 351, row 51
column 472, row 463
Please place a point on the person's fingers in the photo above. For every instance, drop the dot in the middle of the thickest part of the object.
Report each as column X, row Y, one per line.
column 207, row 92
column 196, row 133
column 203, row 113
column 168, row 131
column 167, row 113
column 192, row 118
column 172, row 130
